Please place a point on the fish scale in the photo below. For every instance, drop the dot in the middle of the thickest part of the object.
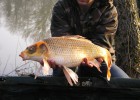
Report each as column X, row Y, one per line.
column 73, row 50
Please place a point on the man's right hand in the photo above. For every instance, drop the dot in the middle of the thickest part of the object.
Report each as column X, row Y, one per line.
column 52, row 63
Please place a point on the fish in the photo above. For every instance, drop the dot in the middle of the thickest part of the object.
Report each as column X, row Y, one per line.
column 67, row 52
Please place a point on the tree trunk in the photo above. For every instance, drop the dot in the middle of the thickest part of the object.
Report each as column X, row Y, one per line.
column 128, row 37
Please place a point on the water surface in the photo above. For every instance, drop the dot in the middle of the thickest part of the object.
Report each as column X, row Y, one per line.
column 22, row 22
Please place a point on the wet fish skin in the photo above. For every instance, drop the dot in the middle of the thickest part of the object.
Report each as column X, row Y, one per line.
column 67, row 51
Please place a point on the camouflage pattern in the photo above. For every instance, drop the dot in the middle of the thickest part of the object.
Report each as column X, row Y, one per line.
column 98, row 24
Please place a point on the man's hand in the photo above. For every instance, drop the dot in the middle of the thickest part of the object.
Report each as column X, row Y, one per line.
column 95, row 63
column 52, row 63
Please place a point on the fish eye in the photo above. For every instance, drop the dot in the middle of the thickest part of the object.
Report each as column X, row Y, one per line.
column 31, row 49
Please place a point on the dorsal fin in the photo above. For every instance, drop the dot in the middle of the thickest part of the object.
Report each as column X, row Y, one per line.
column 74, row 36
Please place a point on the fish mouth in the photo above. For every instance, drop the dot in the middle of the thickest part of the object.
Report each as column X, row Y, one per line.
column 22, row 56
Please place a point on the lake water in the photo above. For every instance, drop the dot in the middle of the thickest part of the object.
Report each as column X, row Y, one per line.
column 22, row 22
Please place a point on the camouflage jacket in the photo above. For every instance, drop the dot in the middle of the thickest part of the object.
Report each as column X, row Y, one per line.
column 98, row 24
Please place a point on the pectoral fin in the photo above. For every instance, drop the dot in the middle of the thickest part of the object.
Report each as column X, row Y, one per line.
column 37, row 72
column 70, row 75
column 46, row 68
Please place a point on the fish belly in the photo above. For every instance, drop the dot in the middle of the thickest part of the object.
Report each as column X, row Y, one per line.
column 66, row 58
column 69, row 53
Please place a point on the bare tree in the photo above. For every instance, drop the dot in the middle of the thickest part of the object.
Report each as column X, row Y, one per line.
column 128, row 37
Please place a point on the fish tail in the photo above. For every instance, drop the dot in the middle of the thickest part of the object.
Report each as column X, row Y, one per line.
column 108, row 75
column 108, row 61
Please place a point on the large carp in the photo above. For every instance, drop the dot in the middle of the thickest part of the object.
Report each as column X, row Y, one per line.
column 67, row 51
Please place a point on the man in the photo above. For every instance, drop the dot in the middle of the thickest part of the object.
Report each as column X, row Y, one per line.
column 94, row 19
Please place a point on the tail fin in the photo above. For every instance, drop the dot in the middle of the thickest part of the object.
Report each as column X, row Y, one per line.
column 108, row 61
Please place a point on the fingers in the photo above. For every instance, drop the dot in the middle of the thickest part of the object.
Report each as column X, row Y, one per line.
column 85, row 61
column 95, row 62
column 100, row 60
column 52, row 63
column 88, row 63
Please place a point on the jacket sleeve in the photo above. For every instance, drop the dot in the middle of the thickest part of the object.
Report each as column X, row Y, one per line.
column 107, row 26
column 59, row 23
column 109, row 21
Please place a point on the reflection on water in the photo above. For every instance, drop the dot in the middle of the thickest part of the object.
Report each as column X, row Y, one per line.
column 21, row 23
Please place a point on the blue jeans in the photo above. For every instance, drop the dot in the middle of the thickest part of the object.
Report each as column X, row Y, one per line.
column 118, row 72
